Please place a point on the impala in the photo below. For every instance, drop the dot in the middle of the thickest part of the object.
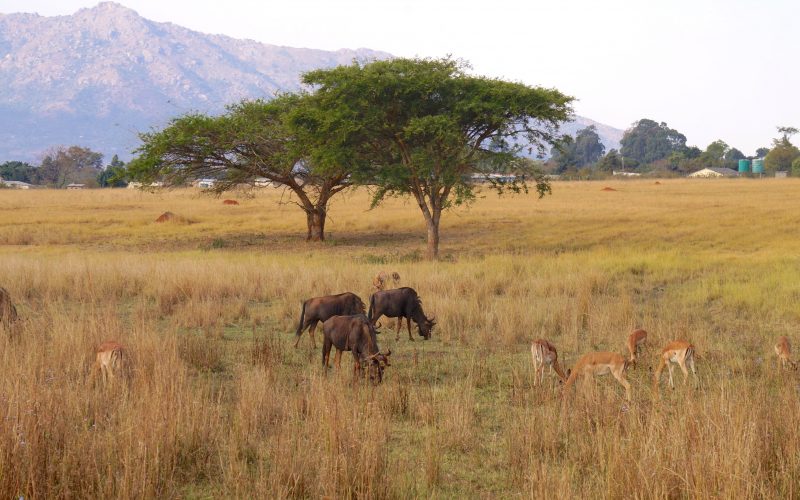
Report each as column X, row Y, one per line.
column 381, row 279
column 680, row 352
column 784, row 351
column 544, row 353
column 635, row 343
column 111, row 360
column 600, row 363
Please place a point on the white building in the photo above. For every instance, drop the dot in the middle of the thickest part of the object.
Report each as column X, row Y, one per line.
column 15, row 184
column 712, row 172
column 139, row 185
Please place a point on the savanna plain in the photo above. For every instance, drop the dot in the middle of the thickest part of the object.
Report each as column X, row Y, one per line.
column 220, row 404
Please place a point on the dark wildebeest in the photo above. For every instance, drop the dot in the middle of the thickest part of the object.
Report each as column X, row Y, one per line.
column 8, row 313
column 357, row 334
column 321, row 308
column 401, row 303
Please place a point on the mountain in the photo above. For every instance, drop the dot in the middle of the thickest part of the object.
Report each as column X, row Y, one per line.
column 102, row 75
column 609, row 136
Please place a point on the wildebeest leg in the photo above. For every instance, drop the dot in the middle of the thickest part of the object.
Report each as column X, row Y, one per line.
column 356, row 366
column 337, row 359
column 408, row 324
column 326, row 352
column 399, row 326
column 311, row 333
column 306, row 322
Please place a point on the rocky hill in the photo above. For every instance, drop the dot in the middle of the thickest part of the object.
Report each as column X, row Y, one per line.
column 98, row 77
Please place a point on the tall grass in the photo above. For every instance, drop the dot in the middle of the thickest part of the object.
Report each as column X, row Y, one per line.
column 220, row 404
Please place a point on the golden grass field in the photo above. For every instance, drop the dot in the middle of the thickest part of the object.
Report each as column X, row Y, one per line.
column 220, row 405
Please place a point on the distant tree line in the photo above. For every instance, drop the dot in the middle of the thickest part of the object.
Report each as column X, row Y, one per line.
column 61, row 166
column 652, row 147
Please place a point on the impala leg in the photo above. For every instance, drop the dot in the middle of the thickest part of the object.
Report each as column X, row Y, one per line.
column 107, row 376
column 691, row 365
column 621, row 379
column 669, row 367
column 682, row 364
column 586, row 384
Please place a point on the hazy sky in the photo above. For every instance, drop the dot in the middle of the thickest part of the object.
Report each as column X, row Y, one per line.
column 710, row 69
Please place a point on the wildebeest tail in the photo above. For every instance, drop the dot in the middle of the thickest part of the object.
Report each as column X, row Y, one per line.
column 371, row 307
column 302, row 318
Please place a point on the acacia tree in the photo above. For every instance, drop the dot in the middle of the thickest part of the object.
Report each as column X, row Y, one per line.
column 422, row 127
column 253, row 139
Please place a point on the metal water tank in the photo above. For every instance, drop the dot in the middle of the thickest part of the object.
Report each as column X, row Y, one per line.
column 758, row 166
column 744, row 166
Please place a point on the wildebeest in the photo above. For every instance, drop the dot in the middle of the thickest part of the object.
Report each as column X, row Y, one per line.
column 401, row 303
column 321, row 308
column 8, row 312
column 111, row 361
column 357, row 334
column 381, row 279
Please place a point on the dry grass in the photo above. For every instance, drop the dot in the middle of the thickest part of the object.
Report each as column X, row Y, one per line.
column 220, row 405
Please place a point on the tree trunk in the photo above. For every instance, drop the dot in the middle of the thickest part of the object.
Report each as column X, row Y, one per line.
column 316, row 224
column 432, row 252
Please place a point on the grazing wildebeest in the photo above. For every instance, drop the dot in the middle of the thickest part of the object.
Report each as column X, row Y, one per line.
column 382, row 278
column 357, row 334
column 8, row 313
column 111, row 361
column 401, row 303
column 321, row 308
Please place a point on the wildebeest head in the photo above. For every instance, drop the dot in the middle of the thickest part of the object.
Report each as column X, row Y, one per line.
column 424, row 323
column 356, row 306
column 426, row 326
column 375, row 365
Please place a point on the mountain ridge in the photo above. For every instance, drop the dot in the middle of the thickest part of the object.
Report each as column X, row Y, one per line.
column 102, row 75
